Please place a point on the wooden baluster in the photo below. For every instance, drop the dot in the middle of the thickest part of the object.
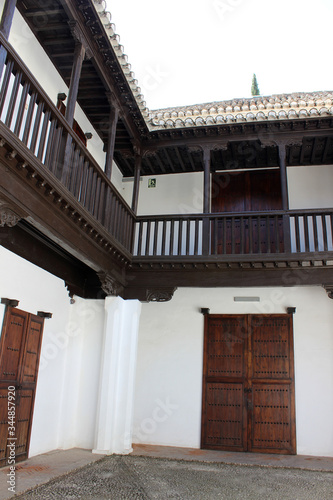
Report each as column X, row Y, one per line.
column 315, row 232
column 224, row 235
column 107, row 211
column 147, row 245
column 42, row 138
column 323, row 219
column 277, row 233
column 196, row 241
column 233, row 232
column 115, row 218
column 172, row 236
column 55, row 150
column 97, row 197
column 92, row 200
column 84, row 184
column 216, row 229
column 188, row 236
column 268, row 234
column 35, row 131
column 180, row 237
column 242, row 237
column 27, row 127
column 21, row 109
column 87, row 192
column 74, row 171
column 102, row 203
column 297, row 234
column 156, row 228
column 259, row 233
column 139, row 250
column 5, row 84
column 306, row 234
column 112, row 219
column 50, row 144
column 13, row 98
column 250, row 234
column 164, row 236
column 78, row 183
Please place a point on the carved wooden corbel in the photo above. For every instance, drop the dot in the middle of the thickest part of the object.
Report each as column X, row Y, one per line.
column 329, row 290
column 160, row 294
column 80, row 38
column 109, row 284
column 9, row 215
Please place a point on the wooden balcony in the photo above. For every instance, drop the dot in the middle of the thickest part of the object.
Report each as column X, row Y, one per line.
column 63, row 200
column 251, row 236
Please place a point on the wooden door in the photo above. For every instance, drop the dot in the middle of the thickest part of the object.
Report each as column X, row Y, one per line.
column 248, row 384
column 19, row 358
column 246, row 192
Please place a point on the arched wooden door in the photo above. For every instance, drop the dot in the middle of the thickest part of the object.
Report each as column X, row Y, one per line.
column 248, row 399
column 19, row 359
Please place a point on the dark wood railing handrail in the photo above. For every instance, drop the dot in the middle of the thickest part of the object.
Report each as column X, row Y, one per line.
column 212, row 215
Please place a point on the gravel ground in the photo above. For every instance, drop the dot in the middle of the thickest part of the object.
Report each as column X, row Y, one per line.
column 142, row 478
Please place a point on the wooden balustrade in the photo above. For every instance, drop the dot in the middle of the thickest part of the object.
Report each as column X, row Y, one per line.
column 229, row 235
column 34, row 119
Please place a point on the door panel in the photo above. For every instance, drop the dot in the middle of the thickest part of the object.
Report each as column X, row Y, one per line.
column 19, row 356
column 248, row 384
column 11, row 344
column 225, row 375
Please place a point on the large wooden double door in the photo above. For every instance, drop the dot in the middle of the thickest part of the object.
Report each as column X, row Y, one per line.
column 248, row 384
column 20, row 345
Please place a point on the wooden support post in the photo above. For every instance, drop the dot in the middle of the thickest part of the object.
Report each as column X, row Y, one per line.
column 206, row 201
column 136, row 185
column 79, row 54
column 282, row 146
column 114, row 115
column 5, row 26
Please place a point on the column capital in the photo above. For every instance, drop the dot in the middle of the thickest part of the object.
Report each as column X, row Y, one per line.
column 80, row 38
column 281, row 142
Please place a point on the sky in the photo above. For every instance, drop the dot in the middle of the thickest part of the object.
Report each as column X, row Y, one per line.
column 187, row 52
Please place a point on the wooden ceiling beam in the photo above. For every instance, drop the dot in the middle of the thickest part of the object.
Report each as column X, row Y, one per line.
column 169, row 160
column 43, row 12
column 180, row 160
column 325, row 152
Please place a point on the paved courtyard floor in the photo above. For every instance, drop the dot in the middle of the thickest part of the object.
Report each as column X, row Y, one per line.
column 172, row 473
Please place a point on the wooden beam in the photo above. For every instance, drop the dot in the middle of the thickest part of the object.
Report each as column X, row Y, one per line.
column 7, row 17
column 5, row 26
column 113, row 121
column 79, row 54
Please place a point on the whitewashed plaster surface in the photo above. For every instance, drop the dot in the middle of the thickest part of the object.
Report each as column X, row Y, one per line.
column 170, row 356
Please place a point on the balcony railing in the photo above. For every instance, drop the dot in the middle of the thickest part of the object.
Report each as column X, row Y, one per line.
column 225, row 236
column 34, row 119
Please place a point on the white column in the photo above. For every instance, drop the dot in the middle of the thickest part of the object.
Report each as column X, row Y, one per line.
column 118, row 367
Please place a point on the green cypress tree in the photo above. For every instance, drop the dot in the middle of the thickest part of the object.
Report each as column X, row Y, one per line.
column 254, row 87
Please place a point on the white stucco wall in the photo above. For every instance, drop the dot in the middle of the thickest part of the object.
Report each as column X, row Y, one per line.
column 310, row 186
column 170, row 356
column 173, row 194
column 69, row 372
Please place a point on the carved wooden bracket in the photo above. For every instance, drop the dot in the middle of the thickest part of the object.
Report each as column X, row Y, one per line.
column 329, row 290
column 289, row 141
column 160, row 294
column 110, row 285
column 10, row 215
column 80, row 38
